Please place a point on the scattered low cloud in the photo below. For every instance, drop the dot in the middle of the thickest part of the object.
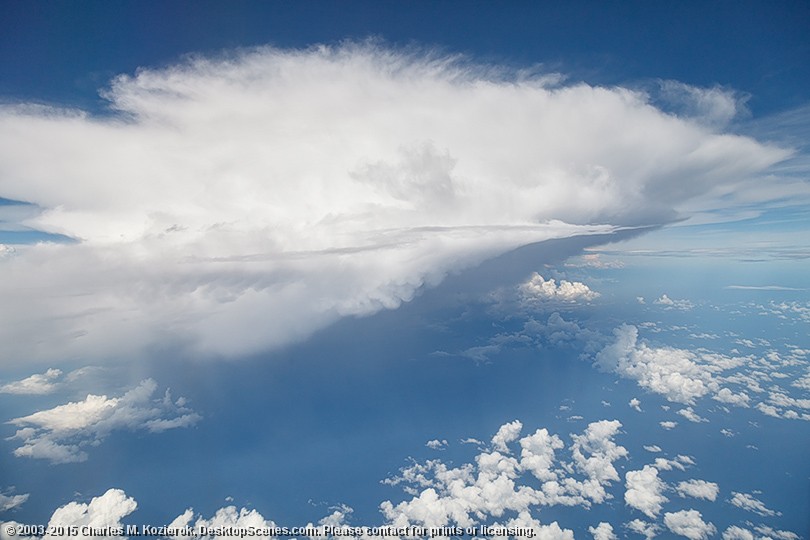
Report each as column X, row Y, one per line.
column 669, row 303
column 689, row 523
column 436, row 444
column 699, row 489
column 675, row 373
column 40, row 383
column 645, row 491
column 752, row 504
column 644, row 528
column 503, row 478
column 60, row 434
column 538, row 289
column 10, row 502
column 690, row 414
column 603, row 531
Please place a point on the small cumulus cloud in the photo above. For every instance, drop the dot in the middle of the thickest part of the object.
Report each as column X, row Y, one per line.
column 538, row 289
column 603, row 531
column 699, row 489
column 675, row 373
column 644, row 491
column 689, row 523
column 40, row 383
column 669, row 303
column 690, row 414
column 60, row 434
column 752, row 504
column 436, row 444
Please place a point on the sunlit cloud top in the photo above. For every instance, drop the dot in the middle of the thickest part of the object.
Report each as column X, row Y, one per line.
column 233, row 204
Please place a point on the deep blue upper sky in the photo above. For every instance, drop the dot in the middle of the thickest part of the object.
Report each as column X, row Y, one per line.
column 64, row 51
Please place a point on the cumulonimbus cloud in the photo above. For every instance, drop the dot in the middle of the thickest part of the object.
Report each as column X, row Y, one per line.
column 234, row 204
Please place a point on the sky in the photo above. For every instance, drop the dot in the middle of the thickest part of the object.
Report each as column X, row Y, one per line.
column 430, row 266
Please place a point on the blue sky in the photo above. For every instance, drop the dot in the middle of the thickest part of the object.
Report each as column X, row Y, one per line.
column 435, row 264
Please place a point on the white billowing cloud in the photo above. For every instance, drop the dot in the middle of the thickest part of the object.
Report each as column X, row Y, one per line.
column 39, row 383
column 239, row 203
column 226, row 519
column 724, row 395
column 436, row 444
column 635, row 404
column 752, row 504
column 699, row 489
column 674, row 373
column 500, row 481
column 644, row 491
column 103, row 514
column 603, row 531
column 537, row 289
column 638, row 526
column 59, row 434
column 506, row 434
column 689, row 523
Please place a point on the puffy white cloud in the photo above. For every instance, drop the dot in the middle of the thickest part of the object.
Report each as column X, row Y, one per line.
column 689, row 523
column 40, row 383
column 103, row 514
column 752, row 504
column 699, row 489
column 603, row 531
column 60, row 433
column 301, row 186
column 499, row 481
column 645, row 491
column 635, row 404
column 665, row 300
column 668, row 424
column 675, row 373
column 737, row 533
column 538, row 289
column 638, row 526
column 436, row 444
column 724, row 395
column 506, row 434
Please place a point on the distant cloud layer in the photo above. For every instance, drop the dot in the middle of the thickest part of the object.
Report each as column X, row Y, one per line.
column 239, row 203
